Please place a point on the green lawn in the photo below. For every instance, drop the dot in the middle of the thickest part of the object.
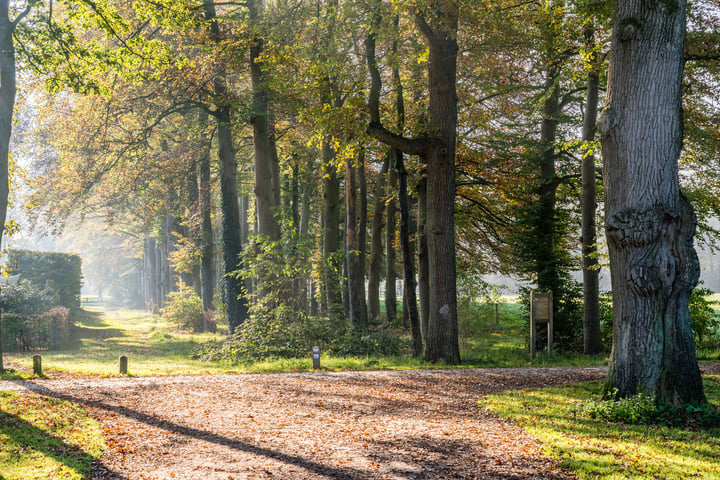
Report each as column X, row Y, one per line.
column 597, row 449
column 45, row 438
column 102, row 334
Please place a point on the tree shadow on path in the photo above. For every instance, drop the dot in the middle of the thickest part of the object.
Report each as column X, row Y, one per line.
column 296, row 460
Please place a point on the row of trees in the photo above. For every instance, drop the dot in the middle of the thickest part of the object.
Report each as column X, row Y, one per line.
column 474, row 121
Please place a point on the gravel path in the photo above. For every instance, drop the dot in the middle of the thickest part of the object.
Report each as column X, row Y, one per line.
column 351, row 425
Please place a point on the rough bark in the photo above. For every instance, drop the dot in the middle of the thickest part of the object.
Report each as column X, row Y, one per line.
column 355, row 277
column 548, row 275
column 267, row 188
column 331, row 231
column 650, row 225
column 437, row 146
column 592, row 337
column 376, row 236
column 237, row 309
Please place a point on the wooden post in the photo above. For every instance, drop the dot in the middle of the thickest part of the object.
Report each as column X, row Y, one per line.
column 316, row 358
column 123, row 365
column 37, row 365
column 541, row 311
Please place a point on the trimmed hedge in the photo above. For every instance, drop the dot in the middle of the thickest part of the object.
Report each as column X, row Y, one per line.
column 60, row 273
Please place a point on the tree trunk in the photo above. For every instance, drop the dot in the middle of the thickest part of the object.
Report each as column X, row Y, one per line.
column 331, row 244
column 207, row 265
column 438, row 148
column 8, row 88
column 423, row 265
column 355, row 278
column 390, row 224
column 650, row 225
column 409, row 299
column 237, row 308
column 265, row 183
column 592, row 337
column 376, row 233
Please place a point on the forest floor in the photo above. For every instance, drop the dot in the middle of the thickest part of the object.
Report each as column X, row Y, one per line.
column 410, row 424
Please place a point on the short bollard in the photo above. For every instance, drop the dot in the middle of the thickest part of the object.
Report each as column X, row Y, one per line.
column 316, row 358
column 37, row 365
column 123, row 365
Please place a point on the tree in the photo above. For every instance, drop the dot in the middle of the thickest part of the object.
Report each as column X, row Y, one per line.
column 650, row 224
column 592, row 337
column 8, row 88
column 438, row 23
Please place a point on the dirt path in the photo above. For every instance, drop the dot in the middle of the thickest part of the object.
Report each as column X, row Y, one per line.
column 350, row 425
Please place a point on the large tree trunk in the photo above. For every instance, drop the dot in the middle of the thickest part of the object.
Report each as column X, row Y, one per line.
column 267, row 188
column 439, row 28
column 442, row 339
column 650, row 225
column 237, row 309
column 592, row 337
column 8, row 89
column 355, row 277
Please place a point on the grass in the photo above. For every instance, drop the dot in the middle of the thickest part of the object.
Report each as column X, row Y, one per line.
column 597, row 449
column 154, row 347
column 46, row 438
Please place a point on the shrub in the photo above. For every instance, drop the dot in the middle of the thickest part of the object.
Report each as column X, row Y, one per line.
column 644, row 409
column 184, row 309
column 61, row 273
column 25, row 298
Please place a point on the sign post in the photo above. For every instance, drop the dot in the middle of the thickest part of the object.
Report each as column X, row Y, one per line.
column 541, row 311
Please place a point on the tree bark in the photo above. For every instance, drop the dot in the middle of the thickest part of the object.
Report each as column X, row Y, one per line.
column 376, row 235
column 438, row 149
column 355, row 277
column 267, row 189
column 390, row 224
column 592, row 337
column 331, row 244
column 423, row 265
column 650, row 225
column 237, row 308
column 207, row 265
column 8, row 90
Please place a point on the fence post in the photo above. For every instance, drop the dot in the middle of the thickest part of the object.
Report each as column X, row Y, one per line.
column 37, row 365
column 123, row 365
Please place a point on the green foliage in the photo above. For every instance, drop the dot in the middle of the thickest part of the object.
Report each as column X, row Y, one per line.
column 283, row 335
column 61, row 273
column 184, row 309
column 49, row 330
column 644, row 409
column 25, row 298
column 704, row 319
column 29, row 320
column 636, row 409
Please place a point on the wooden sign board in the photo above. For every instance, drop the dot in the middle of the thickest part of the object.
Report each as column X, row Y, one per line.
column 541, row 311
